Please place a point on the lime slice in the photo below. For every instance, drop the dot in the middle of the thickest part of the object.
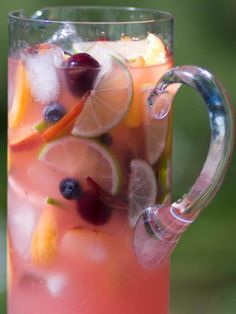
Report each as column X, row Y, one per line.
column 142, row 189
column 82, row 158
column 108, row 103
column 155, row 134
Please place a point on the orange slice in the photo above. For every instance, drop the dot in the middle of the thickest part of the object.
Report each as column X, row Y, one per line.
column 21, row 97
column 51, row 133
column 44, row 240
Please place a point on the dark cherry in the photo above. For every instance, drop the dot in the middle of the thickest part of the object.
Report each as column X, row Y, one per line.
column 54, row 112
column 81, row 71
column 70, row 188
column 92, row 209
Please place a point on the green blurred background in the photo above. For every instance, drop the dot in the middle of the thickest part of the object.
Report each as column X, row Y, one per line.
column 203, row 277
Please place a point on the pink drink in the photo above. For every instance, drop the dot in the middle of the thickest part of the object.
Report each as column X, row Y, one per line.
column 75, row 255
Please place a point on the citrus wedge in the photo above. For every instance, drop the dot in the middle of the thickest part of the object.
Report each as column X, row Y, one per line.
column 9, row 264
column 155, row 135
column 21, row 97
column 155, row 130
column 82, row 158
column 44, row 240
column 107, row 104
column 52, row 132
column 149, row 51
column 156, row 52
column 142, row 189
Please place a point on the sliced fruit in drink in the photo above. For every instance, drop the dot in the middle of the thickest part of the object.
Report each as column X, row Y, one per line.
column 155, row 133
column 21, row 97
column 155, row 52
column 155, row 130
column 52, row 132
column 79, row 158
column 138, row 53
column 44, row 240
column 142, row 189
column 27, row 142
column 65, row 122
column 107, row 104
column 9, row 264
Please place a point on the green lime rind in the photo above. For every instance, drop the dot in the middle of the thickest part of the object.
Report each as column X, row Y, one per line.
column 116, row 163
column 52, row 201
column 41, row 126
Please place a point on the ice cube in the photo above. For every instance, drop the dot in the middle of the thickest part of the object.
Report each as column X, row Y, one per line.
column 85, row 244
column 65, row 37
column 42, row 73
column 56, row 283
column 22, row 219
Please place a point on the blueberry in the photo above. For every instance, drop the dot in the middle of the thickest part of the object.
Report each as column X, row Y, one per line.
column 54, row 112
column 92, row 209
column 81, row 71
column 70, row 188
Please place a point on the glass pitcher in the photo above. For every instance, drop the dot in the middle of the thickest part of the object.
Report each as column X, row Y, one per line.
column 90, row 215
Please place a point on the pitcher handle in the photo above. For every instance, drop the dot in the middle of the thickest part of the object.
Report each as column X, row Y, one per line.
column 160, row 227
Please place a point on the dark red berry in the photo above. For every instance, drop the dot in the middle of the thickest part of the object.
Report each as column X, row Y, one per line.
column 54, row 112
column 70, row 188
column 81, row 71
column 92, row 209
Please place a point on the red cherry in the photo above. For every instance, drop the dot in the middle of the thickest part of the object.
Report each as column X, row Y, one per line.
column 92, row 209
column 81, row 71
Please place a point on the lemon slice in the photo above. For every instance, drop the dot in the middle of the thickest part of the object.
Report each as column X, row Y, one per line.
column 155, row 52
column 108, row 103
column 142, row 189
column 82, row 158
column 44, row 240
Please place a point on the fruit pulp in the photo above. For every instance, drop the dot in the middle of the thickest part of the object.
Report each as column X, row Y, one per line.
column 75, row 255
